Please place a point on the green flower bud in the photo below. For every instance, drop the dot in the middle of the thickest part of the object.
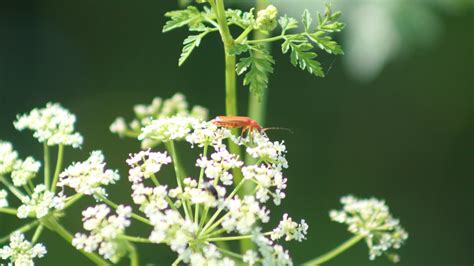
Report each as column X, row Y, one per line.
column 266, row 19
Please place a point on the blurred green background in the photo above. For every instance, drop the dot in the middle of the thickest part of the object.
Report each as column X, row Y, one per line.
column 393, row 119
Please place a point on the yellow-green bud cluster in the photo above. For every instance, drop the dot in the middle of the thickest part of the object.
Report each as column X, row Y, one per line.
column 266, row 19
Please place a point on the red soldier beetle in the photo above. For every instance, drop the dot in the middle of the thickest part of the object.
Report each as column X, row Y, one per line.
column 244, row 122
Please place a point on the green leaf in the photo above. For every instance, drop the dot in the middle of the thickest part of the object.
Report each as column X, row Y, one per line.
column 259, row 65
column 189, row 43
column 239, row 18
column 304, row 58
column 237, row 49
column 180, row 18
column 287, row 23
column 307, row 20
column 326, row 43
column 328, row 22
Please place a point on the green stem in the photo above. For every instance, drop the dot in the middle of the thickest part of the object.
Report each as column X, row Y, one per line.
column 37, row 233
column 72, row 200
column 230, row 253
column 133, row 255
column 25, row 228
column 46, row 164
column 231, row 238
column 335, row 252
column 59, row 163
column 216, row 214
column 8, row 211
column 12, row 188
column 54, row 226
column 266, row 40
column 179, row 176
column 244, row 34
column 115, row 206
column 201, row 177
column 257, row 111
column 135, row 239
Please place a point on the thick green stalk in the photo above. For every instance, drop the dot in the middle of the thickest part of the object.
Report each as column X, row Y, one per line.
column 257, row 111
column 55, row 226
column 335, row 252
column 133, row 255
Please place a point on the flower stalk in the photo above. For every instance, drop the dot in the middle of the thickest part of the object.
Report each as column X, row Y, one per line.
column 335, row 252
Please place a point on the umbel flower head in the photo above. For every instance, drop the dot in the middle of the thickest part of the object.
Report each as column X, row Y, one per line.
column 105, row 231
column 208, row 206
column 53, row 125
column 371, row 219
column 159, row 108
column 89, row 176
column 20, row 251
column 40, row 203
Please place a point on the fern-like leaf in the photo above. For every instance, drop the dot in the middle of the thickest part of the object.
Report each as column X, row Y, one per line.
column 259, row 65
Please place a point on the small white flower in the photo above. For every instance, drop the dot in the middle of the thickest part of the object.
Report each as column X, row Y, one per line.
column 87, row 177
column 260, row 147
column 172, row 229
column 3, row 198
column 119, row 126
column 52, row 125
column 266, row 178
column 250, row 257
column 166, row 129
column 151, row 200
column 243, row 214
column 8, row 157
column 20, row 251
column 158, row 109
column 290, row 230
column 104, row 231
column 207, row 133
column 39, row 203
column 24, row 171
column 371, row 218
column 219, row 165
column 271, row 253
column 144, row 164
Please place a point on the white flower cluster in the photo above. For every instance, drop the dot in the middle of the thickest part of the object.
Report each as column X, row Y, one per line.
column 171, row 228
column 144, row 164
column 8, row 157
column 53, row 125
column 266, row 178
column 174, row 106
column 40, row 203
column 89, row 176
column 207, row 133
column 206, row 206
column 20, row 251
column 290, row 230
column 219, row 165
column 260, row 147
column 25, row 170
column 371, row 218
column 166, row 129
column 3, row 198
column 210, row 256
column 105, row 231
column 244, row 214
column 271, row 254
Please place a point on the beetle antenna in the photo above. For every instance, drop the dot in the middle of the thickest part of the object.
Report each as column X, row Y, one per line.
column 278, row 128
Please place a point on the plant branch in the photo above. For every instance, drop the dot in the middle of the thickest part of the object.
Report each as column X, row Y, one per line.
column 335, row 252
column 59, row 163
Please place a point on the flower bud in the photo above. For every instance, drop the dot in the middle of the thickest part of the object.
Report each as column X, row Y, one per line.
column 266, row 19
